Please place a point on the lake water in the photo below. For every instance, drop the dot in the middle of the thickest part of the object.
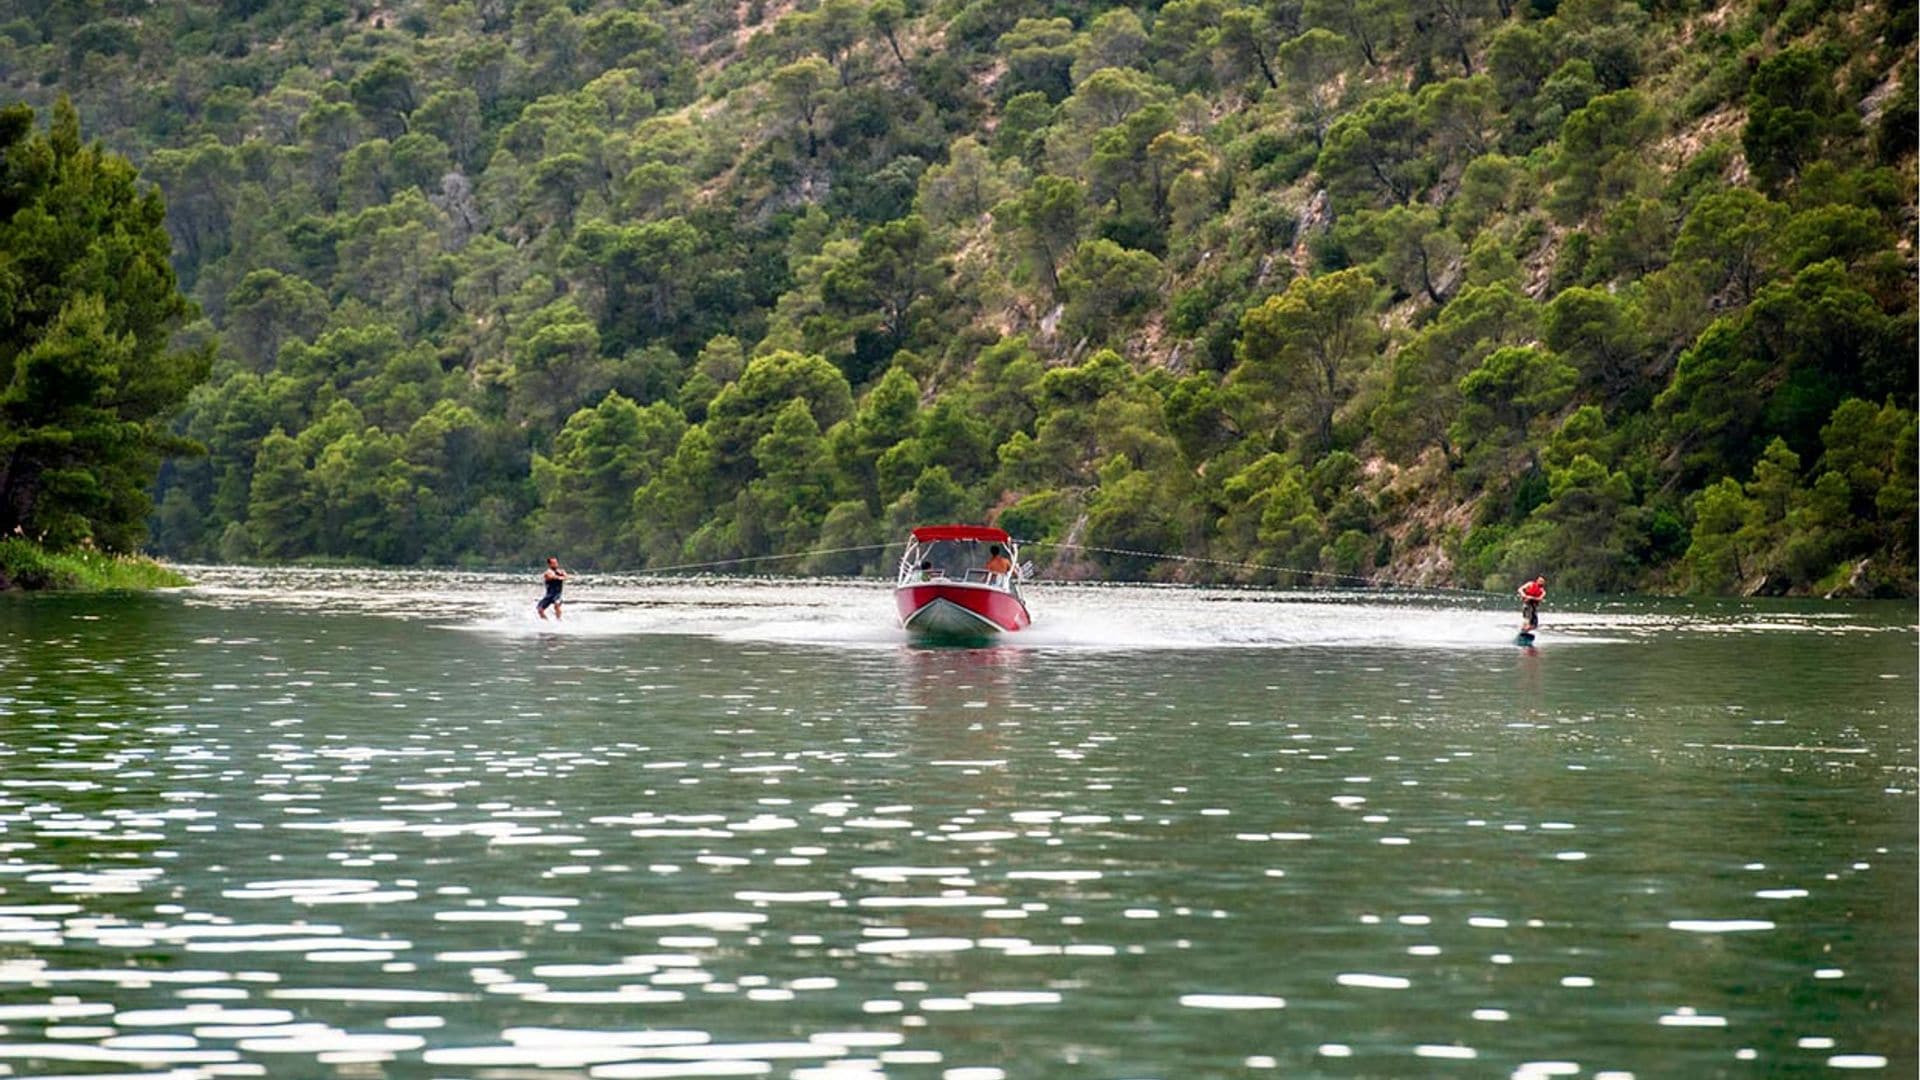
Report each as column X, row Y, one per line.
column 374, row 824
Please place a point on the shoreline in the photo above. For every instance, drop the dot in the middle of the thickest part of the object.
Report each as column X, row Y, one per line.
column 27, row 567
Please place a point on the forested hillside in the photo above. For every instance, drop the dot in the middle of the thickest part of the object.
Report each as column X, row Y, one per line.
column 1447, row 290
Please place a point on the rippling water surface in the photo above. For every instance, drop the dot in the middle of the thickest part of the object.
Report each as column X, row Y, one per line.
column 366, row 824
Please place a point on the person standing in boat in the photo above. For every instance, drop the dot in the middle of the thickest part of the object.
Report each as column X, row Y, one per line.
column 556, row 579
column 1530, row 595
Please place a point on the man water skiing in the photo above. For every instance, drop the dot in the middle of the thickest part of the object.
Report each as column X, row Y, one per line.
column 556, row 579
column 1530, row 596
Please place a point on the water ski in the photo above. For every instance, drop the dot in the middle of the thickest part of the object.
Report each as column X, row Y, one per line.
column 1524, row 637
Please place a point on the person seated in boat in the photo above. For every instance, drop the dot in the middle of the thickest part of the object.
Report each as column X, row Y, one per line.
column 927, row 572
column 997, row 562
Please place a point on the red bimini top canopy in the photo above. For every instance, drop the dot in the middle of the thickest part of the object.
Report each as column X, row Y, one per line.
column 929, row 533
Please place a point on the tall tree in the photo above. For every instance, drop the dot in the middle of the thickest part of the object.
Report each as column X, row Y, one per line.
column 800, row 89
column 1046, row 219
column 895, row 272
column 1309, row 342
column 1313, row 62
column 88, row 308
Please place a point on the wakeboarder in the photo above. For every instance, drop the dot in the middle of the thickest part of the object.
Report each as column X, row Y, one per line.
column 1530, row 595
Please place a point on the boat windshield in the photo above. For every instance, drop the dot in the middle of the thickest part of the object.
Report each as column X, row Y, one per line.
column 956, row 560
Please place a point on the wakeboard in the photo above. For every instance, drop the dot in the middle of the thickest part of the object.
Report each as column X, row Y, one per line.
column 1524, row 637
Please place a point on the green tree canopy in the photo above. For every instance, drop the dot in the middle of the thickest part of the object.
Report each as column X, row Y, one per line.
column 1308, row 343
column 1438, row 290
column 88, row 307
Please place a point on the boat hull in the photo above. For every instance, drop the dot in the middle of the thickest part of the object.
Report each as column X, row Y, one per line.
column 959, row 610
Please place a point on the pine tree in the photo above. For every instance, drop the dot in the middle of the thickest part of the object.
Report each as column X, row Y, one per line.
column 88, row 306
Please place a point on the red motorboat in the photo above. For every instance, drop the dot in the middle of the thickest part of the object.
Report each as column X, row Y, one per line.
column 961, row 581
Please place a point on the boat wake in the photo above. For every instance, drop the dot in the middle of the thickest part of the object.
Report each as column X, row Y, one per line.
column 858, row 615
column 843, row 614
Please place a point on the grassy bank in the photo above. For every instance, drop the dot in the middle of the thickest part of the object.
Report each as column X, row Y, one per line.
column 27, row 565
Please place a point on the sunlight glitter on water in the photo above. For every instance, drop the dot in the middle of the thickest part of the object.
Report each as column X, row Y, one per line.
column 288, row 826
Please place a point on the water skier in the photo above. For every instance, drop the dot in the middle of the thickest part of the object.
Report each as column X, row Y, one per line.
column 1530, row 595
column 556, row 579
